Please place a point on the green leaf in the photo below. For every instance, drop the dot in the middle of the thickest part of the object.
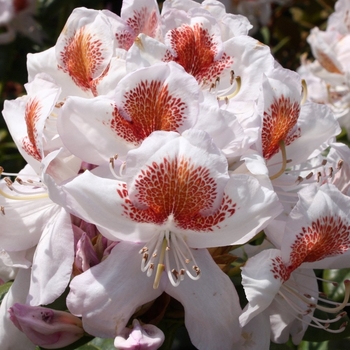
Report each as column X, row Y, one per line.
column 4, row 288
column 76, row 345
column 305, row 345
column 98, row 344
column 335, row 292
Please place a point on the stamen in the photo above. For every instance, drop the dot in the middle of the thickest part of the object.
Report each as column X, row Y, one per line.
column 234, row 93
column 160, row 266
column 284, row 161
column 24, row 197
column 304, row 91
column 183, row 258
column 2, row 209
column 111, row 167
column 315, row 322
column 341, row 306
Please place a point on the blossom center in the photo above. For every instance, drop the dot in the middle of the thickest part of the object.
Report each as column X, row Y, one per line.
column 168, row 252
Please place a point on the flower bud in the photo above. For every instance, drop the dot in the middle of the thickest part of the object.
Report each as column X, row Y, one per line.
column 146, row 337
column 45, row 327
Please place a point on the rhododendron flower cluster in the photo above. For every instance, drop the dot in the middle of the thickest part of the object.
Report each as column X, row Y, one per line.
column 159, row 147
column 328, row 75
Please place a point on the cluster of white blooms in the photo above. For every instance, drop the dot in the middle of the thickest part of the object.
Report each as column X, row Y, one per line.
column 149, row 139
column 328, row 76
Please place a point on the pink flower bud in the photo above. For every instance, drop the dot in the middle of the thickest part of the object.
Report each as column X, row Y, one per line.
column 45, row 327
column 146, row 337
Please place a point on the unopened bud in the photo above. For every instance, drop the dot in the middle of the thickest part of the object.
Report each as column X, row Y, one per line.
column 45, row 327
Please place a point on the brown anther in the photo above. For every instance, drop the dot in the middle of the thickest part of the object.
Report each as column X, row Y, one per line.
column 330, row 172
column 143, row 250
column 340, row 164
column 1, row 170
column 145, row 256
column 30, row 181
column 309, row 175
column 323, row 295
column 20, row 181
column 182, row 272
column 319, row 175
column 343, row 325
column 154, row 255
column 306, row 312
column 326, row 325
column 9, row 183
column 167, row 248
column 59, row 104
column 175, row 273
column 112, row 159
column 288, row 160
column 324, row 162
column 196, row 269
column 187, row 261
column 2, row 209
column 299, row 179
column 232, row 77
column 212, row 86
column 342, row 314
column 151, row 266
column 307, row 296
column 226, row 100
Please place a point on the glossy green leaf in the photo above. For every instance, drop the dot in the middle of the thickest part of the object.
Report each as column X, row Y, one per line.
column 98, row 344
column 335, row 292
column 4, row 289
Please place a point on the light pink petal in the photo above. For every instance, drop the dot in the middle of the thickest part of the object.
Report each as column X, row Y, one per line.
column 161, row 97
column 53, row 261
column 211, row 305
column 142, row 17
column 26, row 117
column 108, row 294
column 259, row 283
column 318, row 229
column 284, row 320
column 23, row 220
column 250, row 60
column 85, row 48
column 46, row 61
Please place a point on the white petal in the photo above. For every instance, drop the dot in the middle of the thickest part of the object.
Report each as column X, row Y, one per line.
column 211, row 305
column 108, row 294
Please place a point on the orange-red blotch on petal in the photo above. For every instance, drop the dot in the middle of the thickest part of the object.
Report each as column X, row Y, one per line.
column 196, row 50
column 180, row 190
column 29, row 143
column 82, row 57
column 151, row 107
column 278, row 123
column 326, row 237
